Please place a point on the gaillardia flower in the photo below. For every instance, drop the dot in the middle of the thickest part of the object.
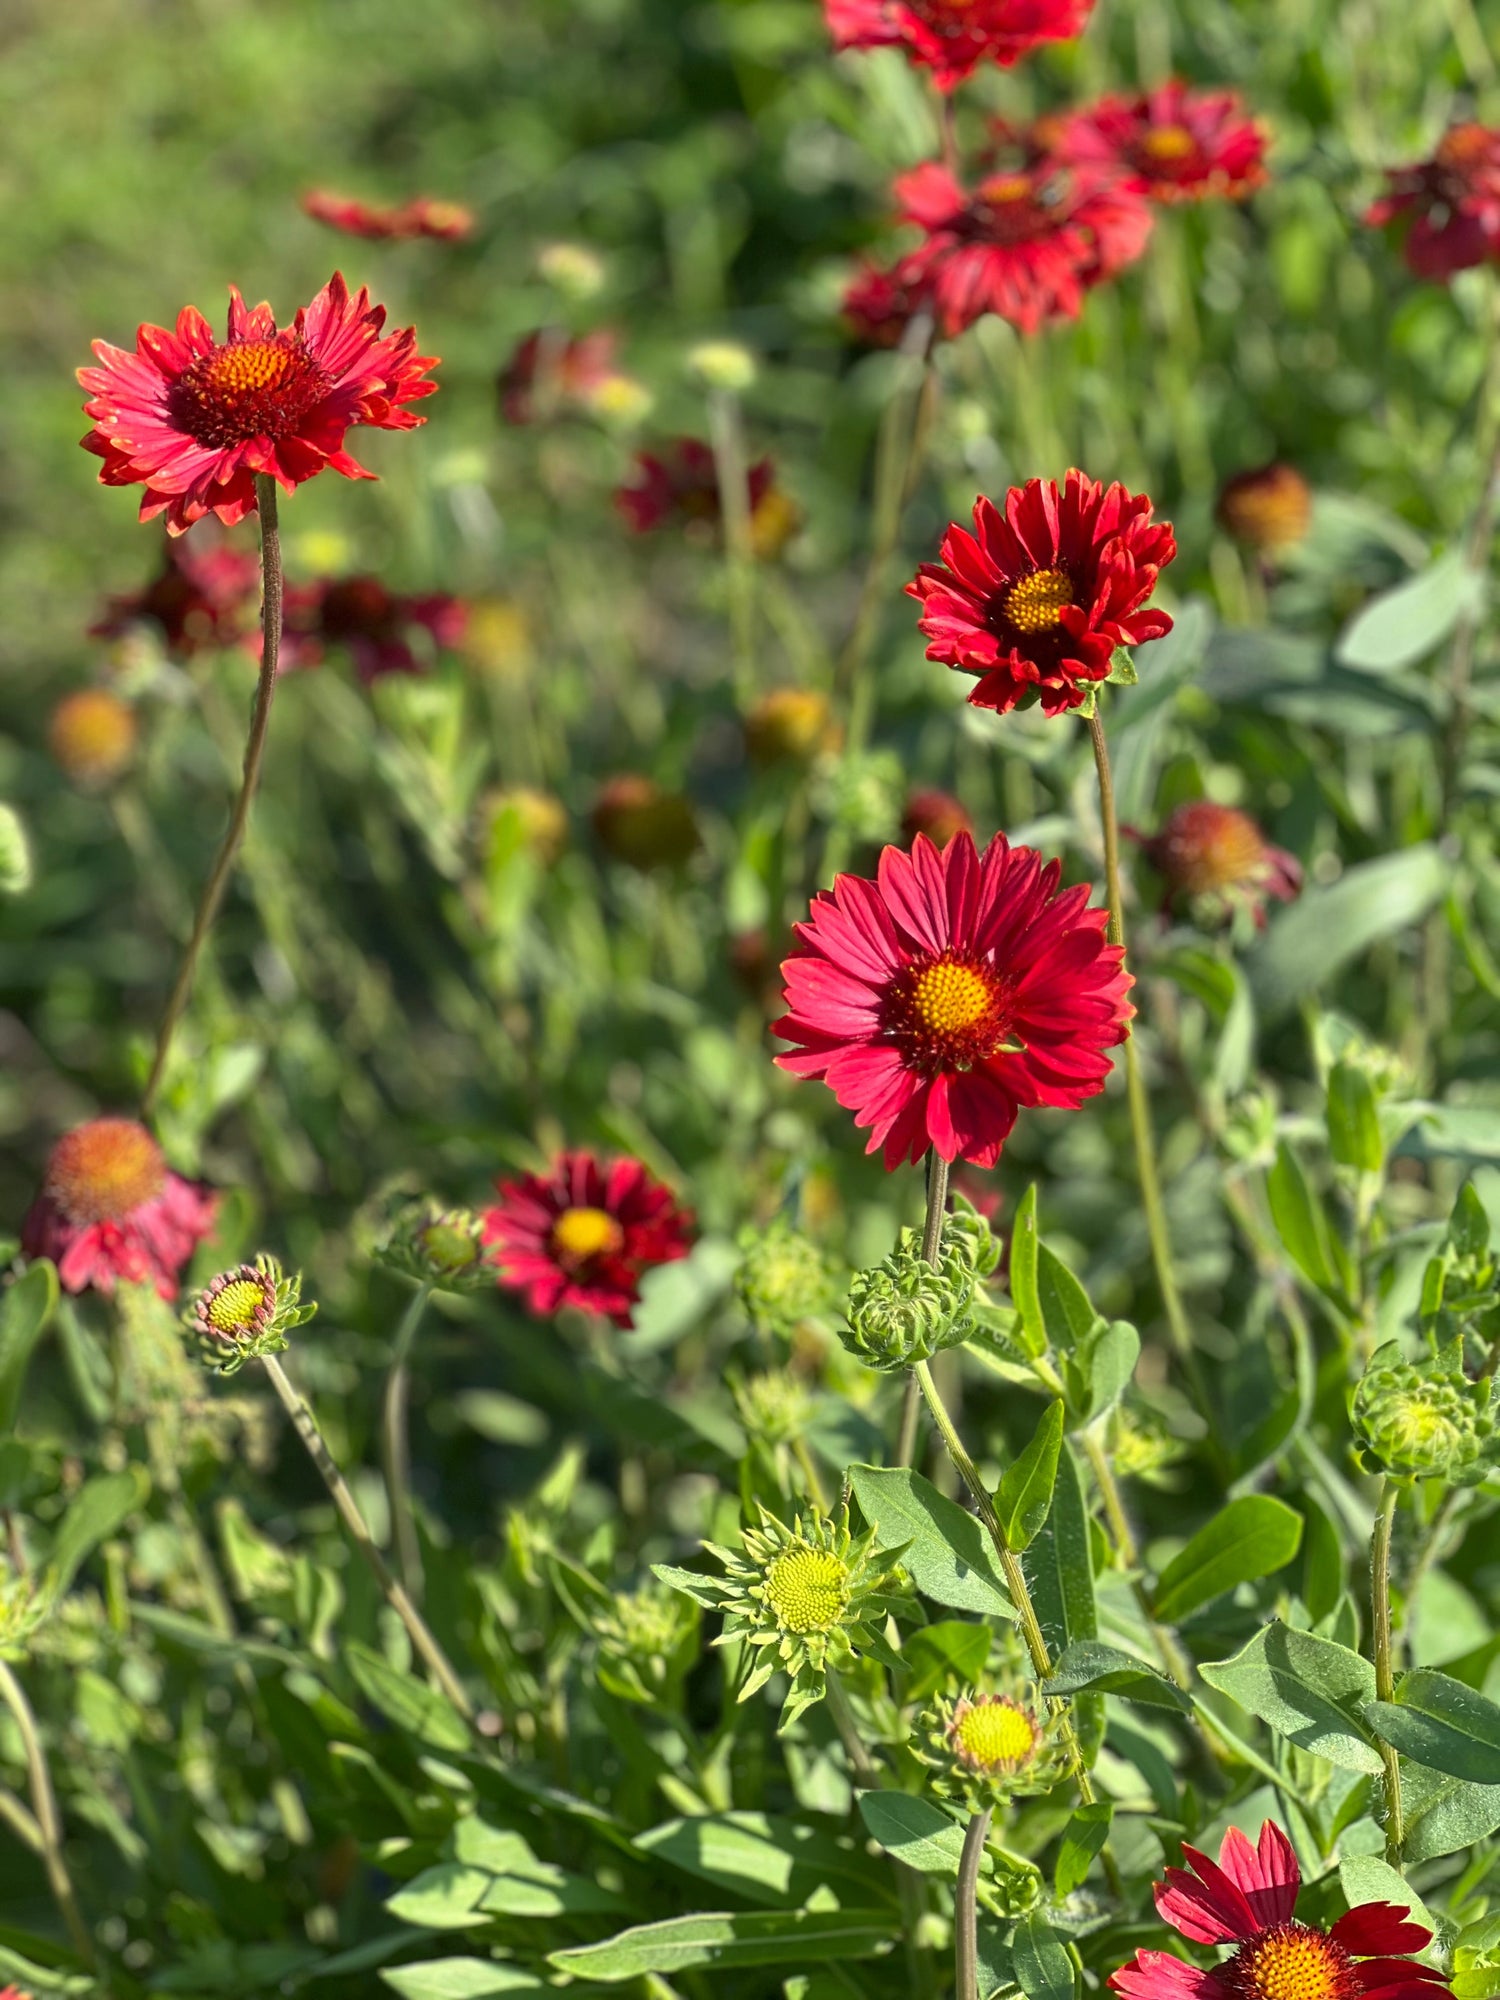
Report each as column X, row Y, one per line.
column 381, row 629
column 952, row 37
column 203, row 595
column 194, row 419
column 246, row 1312
column 1175, row 144
column 986, row 1749
column 1247, row 1901
column 423, row 216
column 938, row 999
column 1219, row 852
column 583, row 1234
column 1267, row 507
column 878, row 306
column 111, row 1209
column 1447, row 209
column 552, row 371
column 1035, row 600
column 1025, row 244
column 679, row 483
column 92, row 736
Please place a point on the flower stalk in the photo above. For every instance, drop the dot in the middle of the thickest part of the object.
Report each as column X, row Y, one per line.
column 47, row 1818
column 1385, row 1679
column 966, row 1908
column 395, row 1442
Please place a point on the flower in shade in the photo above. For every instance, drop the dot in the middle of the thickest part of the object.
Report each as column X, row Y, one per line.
column 1247, row 1900
column 937, row 814
column 1035, row 600
column 382, row 629
column 583, row 1234
column 550, row 372
column 92, row 736
column 203, row 595
column 424, row 216
column 1174, row 143
column 111, row 1208
column 246, row 1312
column 951, row 37
column 194, row 419
column 641, row 823
column 879, row 306
column 952, row 990
column 1447, row 209
column 679, row 484
column 1217, row 851
column 1268, row 507
column 1025, row 244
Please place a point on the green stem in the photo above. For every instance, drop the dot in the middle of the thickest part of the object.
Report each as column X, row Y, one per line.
column 239, row 819
column 932, row 1250
column 48, row 1819
column 965, row 1909
column 728, row 441
column 396, row 1447
column 1385, row 1680
column 1172, row 1656
column 306, row 1425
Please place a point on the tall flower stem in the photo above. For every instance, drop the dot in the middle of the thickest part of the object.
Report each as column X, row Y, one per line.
column 395, row 1595
column 239, row 819
column 867, row 1773
column 1123, row 1534
column 395, row 1445
column 48, row 1818
column 728, row 439
column 966, row 1910
column 1385, row 1679
column 932, row 1250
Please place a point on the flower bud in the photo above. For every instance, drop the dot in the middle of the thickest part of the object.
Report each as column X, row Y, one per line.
column 1269, row 508
column 647, row 1640
column 1426, row 1421
column 904, row 1311
column 640, row 823
column 783, row 1278
column 722, row 364
column 92, row 736
column 787, row 726
column 522, row 818
column 775, row 1408
column 860, row 793
column 937, row 814
column 442, row 1248
column 576, row 272
column 245, row 1313
column 970, row 1247
column 986, row 1749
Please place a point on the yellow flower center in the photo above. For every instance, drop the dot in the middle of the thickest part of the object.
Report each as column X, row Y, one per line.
column 233, row 1309
column 581, row 1233
column 1035, row 604
column 1292, row 1962
column 808, row 1589
column 994, row 1735
column 1168, row 142
column 104, row 1170
column 950, row 997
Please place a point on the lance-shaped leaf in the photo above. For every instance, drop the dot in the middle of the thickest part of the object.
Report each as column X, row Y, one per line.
column 1249, row 1538
column 1025, row 1495
column 1439, row 1722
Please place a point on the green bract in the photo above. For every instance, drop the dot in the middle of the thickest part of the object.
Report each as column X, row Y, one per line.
column 987, row 1748
column 439, row 1247
column 1424, row 1421
column 783, row 1277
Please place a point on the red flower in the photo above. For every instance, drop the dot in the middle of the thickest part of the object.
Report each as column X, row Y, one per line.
column 549, row 372
column 1448, row 206
column 201, row 596
column 680, row 483
column 1247, row 1900
column 377, row 625
column 1026, row 245
column 1210, row 850
column 951, row 37
column 193, row 419
column 1036, row 600
column 957, row 987
column 110, row 1208
column 1175, row 144
column 583, row 1234
column 422, row 217
column 880, row 305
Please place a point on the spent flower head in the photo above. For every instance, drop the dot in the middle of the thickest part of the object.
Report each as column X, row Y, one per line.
column 783, row 1278
column 1424, row 1420
column 443, row 1248
column 247, row 1312
column 988, row 1748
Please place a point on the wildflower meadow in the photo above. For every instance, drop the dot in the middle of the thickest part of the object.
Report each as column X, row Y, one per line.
column 750, row 1000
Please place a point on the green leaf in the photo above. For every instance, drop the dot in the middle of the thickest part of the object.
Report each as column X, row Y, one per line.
column 1299, row 1219
column 766, row 1858
column 761, row 1937
column 1322, row 1559
column 1093, row 1668
column 1402, row 626
column 1083, row 1837
column 1066, row 1312
column 914, row 1830
column 1445, row 1815
column 1043, row 1970
column 1250, row 1538
column 1469, row 1224
column 1024, row 1246
column 1025, row 1494
column 444, row 1898
column 411, row 1704
column 1443, row 1724
column 947, row 1556
column 1365, row 1878
column 1307, row 1689
column 101, row 1506
column 953, row 1649
column 26, row 1305
column 1102, row 1368
column 1308, row 943
column 460, row 1979
column 1354, row 1136
column 1059, row 1566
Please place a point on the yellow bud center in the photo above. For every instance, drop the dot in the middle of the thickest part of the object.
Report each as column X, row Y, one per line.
column 808, row 1589
column 233, row 1309
column 581, row 1233
column 994, row 1735
column 1035, row 604
column 950, row 997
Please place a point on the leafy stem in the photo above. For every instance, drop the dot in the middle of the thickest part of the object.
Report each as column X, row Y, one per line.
column 47, row 1818
column 395, row 1446
column 1385, row 1680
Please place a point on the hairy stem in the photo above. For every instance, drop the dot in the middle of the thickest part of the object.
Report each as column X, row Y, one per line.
column 48, row 1819
column 394, row 1593
column 239, row 819
column 395, row 1447
column 965, row 1909
column 1385, row 1679
column 932, row 1250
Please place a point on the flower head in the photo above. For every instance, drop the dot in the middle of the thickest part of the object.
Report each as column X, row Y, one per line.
column 879, row 306
column 92, row 736
column 583, row 1234
column 111, row 1208
column 194, row 419
column 384, row 631
column 789, row 725
column 246, row 1312
column 423, row 216
column 551, row 372
column 952, row 37
column 678, row 484
column 647, row 1639
column 986, row 1749
column 1035, row 600
column 1174, row 143
column 1425, row 1421
column 1268, row 507
column 640, row 823
column 783, row 1278
column 1246, row 1899
column 956, row 987
column 1025, row 244
column 1447, row 209
column 1217, row 852
column 937, row 814
column 443, row 1248
column 203, row 595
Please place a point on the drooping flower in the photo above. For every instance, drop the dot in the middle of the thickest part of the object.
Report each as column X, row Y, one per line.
column 447, row 220
column 377, row 626
column 1247, row 1900
column 1267, row 507
column 937, row 814
column 1175, row 143
column 204, row 595
column 247, row 1312
column 111, row 1208
column 952, row 37
column 92, row 736
column 641, row 823
column 957, row 987
column 880, row 305
column 551, row 372
column 194, row 419
column 1035, row 600
column 1217, row 851
column 679, row 484
column 1446, row 209
column 583, row 1234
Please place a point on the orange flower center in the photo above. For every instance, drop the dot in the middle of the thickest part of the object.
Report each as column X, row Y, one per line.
column 1002, row 188
column 1291, row 1962
column 1465, row 146
column 581, row 1234
column 1168, row 142
column 949, row 1011
column 104, row 1170
column 92, row 735
column 1035, row 604
column 249, row 388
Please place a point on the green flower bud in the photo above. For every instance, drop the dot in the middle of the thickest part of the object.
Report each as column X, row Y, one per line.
column 22, row 1609
column 784, row 1278
column 775, row 1407
column 442, row 1248
column 986, row 1749
column 1424, row 1422
column 864, row 794
column 647, row 1640
column 904, row 1311
column 969, row 1244
column 722, row 364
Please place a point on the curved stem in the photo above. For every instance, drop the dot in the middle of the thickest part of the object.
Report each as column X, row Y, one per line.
column 394, row 1593
column 965, row 1909
column 396, row 1447
column 1385, row 1680
column 48, row 1819
column 239, row 819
